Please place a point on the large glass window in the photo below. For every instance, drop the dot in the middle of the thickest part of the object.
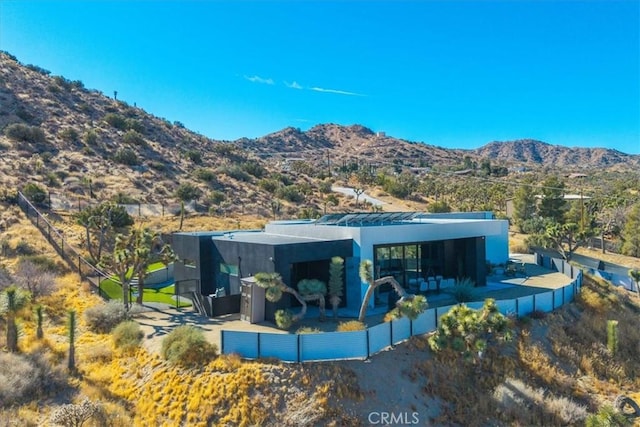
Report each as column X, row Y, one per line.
column 409, row 263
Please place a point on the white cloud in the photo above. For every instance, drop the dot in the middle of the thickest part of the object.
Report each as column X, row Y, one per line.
column 338, row 92
column 293, row 85
column 258, row 79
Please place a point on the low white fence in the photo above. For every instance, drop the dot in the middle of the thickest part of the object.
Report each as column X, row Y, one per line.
column 363, row 344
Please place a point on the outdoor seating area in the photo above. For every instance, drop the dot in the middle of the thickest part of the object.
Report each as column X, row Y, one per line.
column 432, row 284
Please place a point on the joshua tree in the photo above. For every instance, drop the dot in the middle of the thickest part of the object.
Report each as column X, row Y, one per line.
column 72, row 341
column 133, row 254
column 408, row 303
column 635, row 276
column 39, row 317
column 149, row 249
column 336, row 269
column 11, row 302
column 274, row 286
column 313, row 289
column 358, row 192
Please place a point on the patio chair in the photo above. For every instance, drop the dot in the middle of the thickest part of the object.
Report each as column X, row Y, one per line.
column 423, row 286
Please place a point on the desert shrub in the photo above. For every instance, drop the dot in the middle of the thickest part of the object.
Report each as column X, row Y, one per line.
column 103, row 318
column 194, row 156
column 607, row 416
column 134, row 125
column 24, row 133
column 519, row 402
column 69, row 135
column 187, row 346
column 90, row 137
column 24, row 248
column 236, row 172
column 127, row 335
column 351, row 325
column 133, row 137
column 159, row 166
column 308, row 330
column 38, row 69
column 71, row 414
column 24, row 378
column 268, row 185
column 52, row 179
column 126, row 156
column 35, row 193
column 206, row 175
column 116, row 120
column 284, row 318
column 290, row 193
column 463, row 291
column 216, row 197
column 254, row 168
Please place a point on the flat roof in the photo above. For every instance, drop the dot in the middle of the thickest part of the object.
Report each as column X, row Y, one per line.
column 367, row 218
column 266, row 238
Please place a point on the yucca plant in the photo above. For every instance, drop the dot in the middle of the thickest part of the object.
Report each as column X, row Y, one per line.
column 12, row 300
column 72, row 340
column 336, row 270
column 39, row 318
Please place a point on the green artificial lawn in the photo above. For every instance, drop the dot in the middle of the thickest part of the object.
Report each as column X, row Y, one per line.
column 113, row 290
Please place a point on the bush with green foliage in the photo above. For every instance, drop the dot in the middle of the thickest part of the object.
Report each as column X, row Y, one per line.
column 90, row 137
column 206, row 175
column 103, row 318
column 269, row 185
column 134, row 125
column 290, row 193
column 236, row 172
column 127, row 336
column 254, row 168
column 187, row 346
column 464, row 290
column 607, row 416
column 133, row 137
column 24, row 133
column 116, row 120
column 34, row 193
column 284, row 318
column 194, row 155
column 70, row 135
column 468, row 331
column 126, row 156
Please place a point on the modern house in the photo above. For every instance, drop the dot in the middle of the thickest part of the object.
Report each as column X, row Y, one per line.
column 410, row 246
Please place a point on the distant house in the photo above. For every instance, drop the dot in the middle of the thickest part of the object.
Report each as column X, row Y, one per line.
column 406, row 245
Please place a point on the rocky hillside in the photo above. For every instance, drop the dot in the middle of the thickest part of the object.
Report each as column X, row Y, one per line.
column 541, row 153
column 326, row 143
column 81, row 144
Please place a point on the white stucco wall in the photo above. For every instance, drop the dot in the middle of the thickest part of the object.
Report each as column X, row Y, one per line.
column 432, row 228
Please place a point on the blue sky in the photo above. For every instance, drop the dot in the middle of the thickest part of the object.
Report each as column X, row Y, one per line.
column 449, row 73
